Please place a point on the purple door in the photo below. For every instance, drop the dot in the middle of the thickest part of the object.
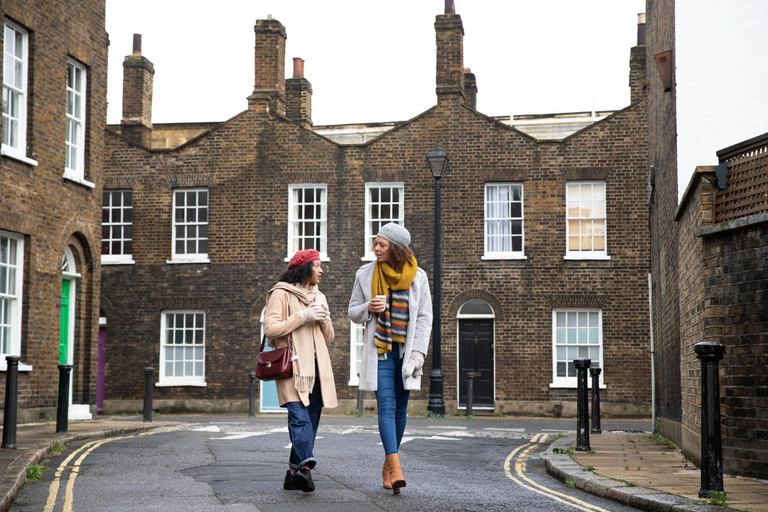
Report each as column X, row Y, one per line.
column 100, row 369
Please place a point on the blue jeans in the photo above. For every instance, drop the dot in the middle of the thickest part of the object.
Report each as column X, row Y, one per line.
column 302, row 427
column 392, row 401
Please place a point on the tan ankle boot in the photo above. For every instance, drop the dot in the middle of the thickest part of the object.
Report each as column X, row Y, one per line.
column 385, row 474
column 395, row 473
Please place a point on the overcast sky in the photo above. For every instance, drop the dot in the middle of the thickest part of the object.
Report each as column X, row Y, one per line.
column 375, row 60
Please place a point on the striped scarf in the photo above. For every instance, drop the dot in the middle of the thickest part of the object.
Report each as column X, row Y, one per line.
column 392, row 324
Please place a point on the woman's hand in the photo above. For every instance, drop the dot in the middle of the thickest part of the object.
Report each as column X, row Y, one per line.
column 378, row 304
column 315, row 313
column 415, row 364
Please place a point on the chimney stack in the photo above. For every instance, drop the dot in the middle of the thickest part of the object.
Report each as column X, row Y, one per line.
column 470, row 89
column 298, row 96
column 449, row 33
column 269, row 84
column 138, row 73
column 637, row 71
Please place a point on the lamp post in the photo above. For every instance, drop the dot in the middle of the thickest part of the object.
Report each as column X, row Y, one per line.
column 438, row 164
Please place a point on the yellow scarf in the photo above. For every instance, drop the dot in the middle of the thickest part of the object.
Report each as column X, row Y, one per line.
column 385, row 277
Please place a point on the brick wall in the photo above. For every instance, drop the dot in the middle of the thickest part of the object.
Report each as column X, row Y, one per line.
column 248, row 164
column 664, row 242
column 53, row 213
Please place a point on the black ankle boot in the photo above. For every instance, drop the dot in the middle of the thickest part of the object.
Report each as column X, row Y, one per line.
column 302, row 479
column 288, row 482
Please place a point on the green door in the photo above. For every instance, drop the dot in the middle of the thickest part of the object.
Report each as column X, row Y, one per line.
column 64, row 328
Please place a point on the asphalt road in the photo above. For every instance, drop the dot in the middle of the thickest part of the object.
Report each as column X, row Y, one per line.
column 235, row 464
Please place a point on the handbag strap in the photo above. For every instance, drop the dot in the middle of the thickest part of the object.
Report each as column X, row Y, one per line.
column 290, row 336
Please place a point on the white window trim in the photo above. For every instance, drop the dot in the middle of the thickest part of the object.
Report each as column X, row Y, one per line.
column 163, row 380
column 571, row 382
column 78, row 179
column 586, row 255
column 77, row 173
column 291, row 220
column 368, row 254
column 117, row 259
column 187, row 258
column 354, row 379
column 15, row 342
column 506, row 255
column 20, row 152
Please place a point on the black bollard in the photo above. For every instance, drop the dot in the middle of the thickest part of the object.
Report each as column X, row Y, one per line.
column 62, row 407
column 11, row 401
column 582, row 405
column 595, row 425
column 252, row 395
column 711, row 441
column 470, row 392
column 359, row 400
column 149, row 385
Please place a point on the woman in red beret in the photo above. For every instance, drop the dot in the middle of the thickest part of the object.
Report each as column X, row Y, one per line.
column 297, row 309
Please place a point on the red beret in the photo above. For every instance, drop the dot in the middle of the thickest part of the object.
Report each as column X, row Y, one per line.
column 302, row 257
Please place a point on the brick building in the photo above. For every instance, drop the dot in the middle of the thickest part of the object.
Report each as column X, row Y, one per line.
column 54, row 120
column 707, row 250
column 544, row 242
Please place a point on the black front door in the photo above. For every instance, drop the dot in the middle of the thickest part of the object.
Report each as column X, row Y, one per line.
column 476, row 354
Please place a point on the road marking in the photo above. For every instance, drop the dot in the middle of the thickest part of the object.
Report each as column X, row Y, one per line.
column 520, row 467
column 239, row 435
column 540, row 438
column 431, row 438
column 505, row 429
column 447, row 427
column 211, row 428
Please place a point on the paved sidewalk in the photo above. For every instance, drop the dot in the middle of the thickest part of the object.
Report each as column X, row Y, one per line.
column 33, row 441
column 634, row 469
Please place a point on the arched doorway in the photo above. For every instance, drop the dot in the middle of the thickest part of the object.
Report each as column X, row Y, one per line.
column 475, row 353
column 268, row 401
column 67, row 327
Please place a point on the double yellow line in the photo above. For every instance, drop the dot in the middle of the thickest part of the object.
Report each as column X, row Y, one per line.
column 519, row 476
column 83, row 452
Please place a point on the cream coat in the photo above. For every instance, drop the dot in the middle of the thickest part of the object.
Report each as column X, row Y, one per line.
column 417, row 335
column 310, row 341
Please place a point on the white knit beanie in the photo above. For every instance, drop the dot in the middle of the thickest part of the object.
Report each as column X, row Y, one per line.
column 396, row 234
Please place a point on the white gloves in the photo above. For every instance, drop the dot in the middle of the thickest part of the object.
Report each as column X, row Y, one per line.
column 414, row 365
column 316, row 313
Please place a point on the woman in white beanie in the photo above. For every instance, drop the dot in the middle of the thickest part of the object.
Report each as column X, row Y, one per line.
column 391, row 298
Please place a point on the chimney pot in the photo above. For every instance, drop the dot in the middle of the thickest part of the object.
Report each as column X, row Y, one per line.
column 298, row 67
column 137, row 44
column 450, row 7
column 641, row 29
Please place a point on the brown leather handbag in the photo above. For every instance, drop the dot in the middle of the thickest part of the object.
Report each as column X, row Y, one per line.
column 275, row 364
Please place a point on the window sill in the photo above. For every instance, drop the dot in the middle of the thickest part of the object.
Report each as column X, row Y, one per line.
column 22, row 367
column 491, row 257
column 107, row 260
column 178, row 261
column 187, row 383
column 10, row 152
column 554, row 385
column 77, row 179
column 368, row 258
column 596, row 257
column 353, row 383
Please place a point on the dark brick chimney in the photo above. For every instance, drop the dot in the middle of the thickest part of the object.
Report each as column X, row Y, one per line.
column 298, row 96
column 269, row 85
column 637, row 72
column 138, row 73
column 449, row 33
column 470, row 89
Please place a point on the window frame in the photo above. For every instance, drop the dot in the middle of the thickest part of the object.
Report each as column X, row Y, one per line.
column 194, row 257
column 571, row 382
column 19, row 150
column 17, row 299
column 504, row 255
column 368, row 254
column 75, row 121
column 586, row 255
column 356, row 341
column 123, row 257
column 165, row 380
column 293, row 221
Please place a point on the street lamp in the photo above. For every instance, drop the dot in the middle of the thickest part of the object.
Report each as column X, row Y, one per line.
column 438, row 164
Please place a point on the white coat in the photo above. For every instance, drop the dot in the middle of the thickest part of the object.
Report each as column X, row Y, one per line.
column 417, row 335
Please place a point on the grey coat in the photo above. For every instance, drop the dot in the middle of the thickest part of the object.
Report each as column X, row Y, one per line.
column 419, row 325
